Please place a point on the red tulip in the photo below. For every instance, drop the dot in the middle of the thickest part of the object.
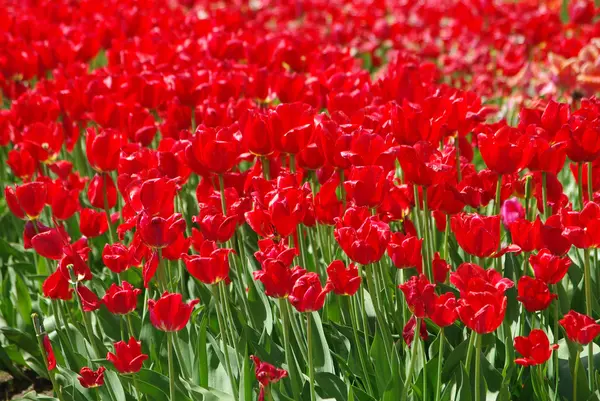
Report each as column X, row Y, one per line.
column 96, row 191
column 64, row 203
column 216, row 227
column 534, row 294
column 89, row 378
column 177, row 248
column 26, row 200
column 150, row 267
column 418, row 292
column 266, row 374
column 471, row 277
column 169, row 312
column 408, row 332
column 257, row 135
column 547, row 156
column 121, row 299
column 103, row 149
column 57, row 285
column 582, row 228
column 506, row 151
column 405, row 251
column 22, row 164
column 157, row 196
column 366, row 185
column 440, row 268
column 527, row 234
column 553, row 238
column 275, row 251
column 344, row 281
column 277, row 278
column 582, row 135
column 423, row 164
column 548, row 267
column 307, row 294
column 292, row 126
column 128, row 357
column 482, row 312
column 89, row 300
column 117, row 257
column 214, row 150
column 327, row 205
column 92, row 223
column 476, row 234
column 441, row 309
column 211, row 265
column 361, row 237
column 580, row 328
column 49, row 353
column 159, row 232
column 535, row 348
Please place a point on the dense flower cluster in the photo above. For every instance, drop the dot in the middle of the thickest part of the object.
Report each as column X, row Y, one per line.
column 450, row 150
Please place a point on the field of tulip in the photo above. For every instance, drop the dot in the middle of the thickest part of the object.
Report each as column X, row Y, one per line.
column 349, row 200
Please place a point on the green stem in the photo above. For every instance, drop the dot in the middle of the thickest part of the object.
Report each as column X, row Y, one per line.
column 438, row 387
column 545, row 208
column 413, row 359
column 354, row 320
column 302, row 249
column 342, row 189
column 555, row 332
column 311, row 363
column 470, row 348
column 215, row 290
column 266, row 167
column 288, row 348
column 425, row 386
column 588, row 309
column 40, row 333
column 427, row 237
column 478, row 368
column 580, row 182
column 380, row 322
column 171, row 366
column 111, row 236
column 575, row 372
column 457, row 151
column 590, row 187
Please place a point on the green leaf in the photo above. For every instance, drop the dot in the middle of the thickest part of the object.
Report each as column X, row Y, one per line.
column 331, row 386
column 23, row 298
column 321, row 353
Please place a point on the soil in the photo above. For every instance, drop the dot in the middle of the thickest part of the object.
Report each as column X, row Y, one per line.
column 12, row 388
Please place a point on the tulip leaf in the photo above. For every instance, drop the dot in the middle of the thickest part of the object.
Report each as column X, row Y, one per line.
column 321, row 353
column 331, row 386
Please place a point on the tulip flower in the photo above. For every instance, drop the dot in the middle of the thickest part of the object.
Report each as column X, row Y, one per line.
column 169, row 312
column 292, row 126
column 343, row 280
column 534, row 294
column 117, row 257
column 277, row 278
column 405, row 251
column 476, row 234
column 128, row 357
column 89, row 300
column 100, row 188
column 307, row 294
column 26, row 200
column 257, row 135
column 363, row 239
column 548, row 267
column 505, row 151
column 482, row 312
column 217, row 227
column 511, row 211
column 92, row 223
column 89, row 378
column 159, row 232
column 408, row 332
column 121, row 299
column 526, row 234
column 418, row 292
column 422, row 164
column 441, row 309
column 157, row 196
column 51, row 358
column 214, row 150
column 535, row 348
column 103, row 149
column 366, row 185
column 471, row 277
column 211, row 265
column 440, row 268
column 266, row 374
column 57, row 285
column 580, row 328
